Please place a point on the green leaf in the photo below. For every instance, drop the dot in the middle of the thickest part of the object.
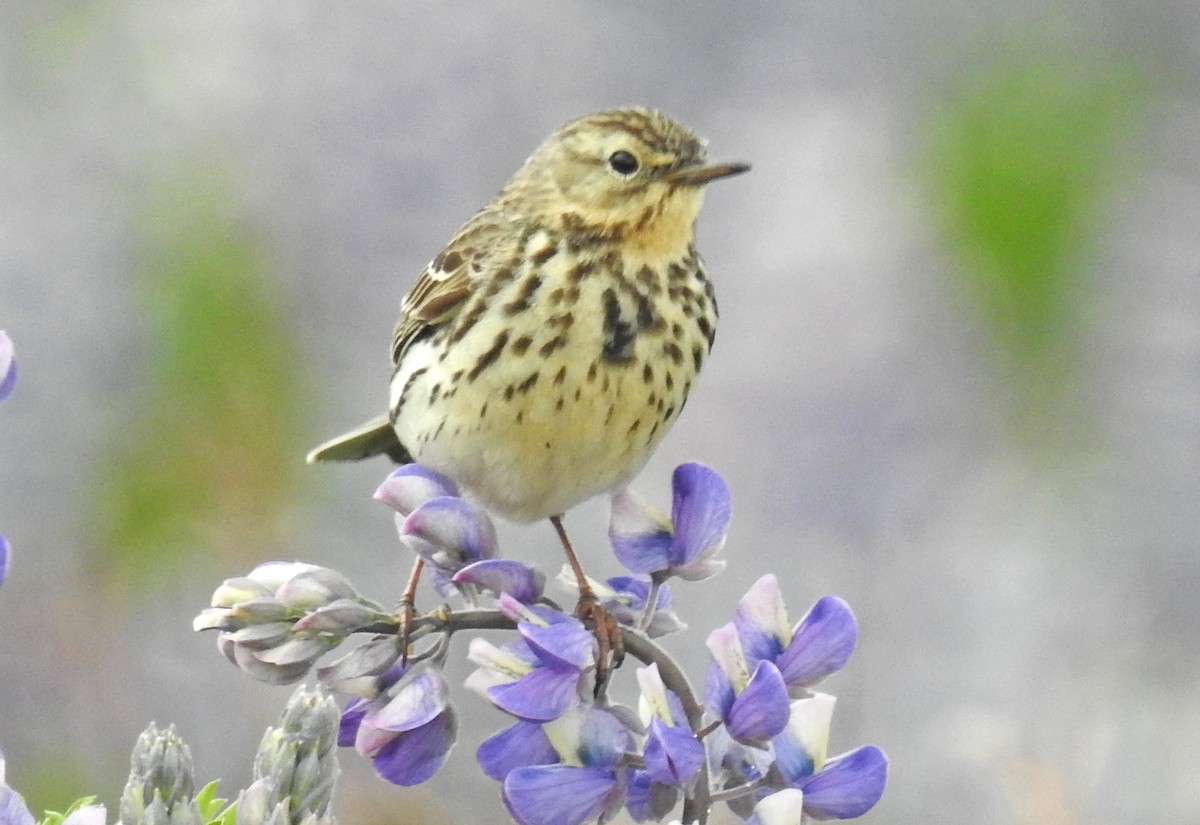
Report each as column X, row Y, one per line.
column 55, row 818
column 208, row 803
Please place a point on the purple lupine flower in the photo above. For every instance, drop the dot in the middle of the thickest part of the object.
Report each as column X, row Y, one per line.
column 645, row 542
column 647, row 800
column 588, row 782
column 498, row 576
column 448, row 533
column 818, row 645
column 8, row 366
column 624, row 597
column 4, row 552
column 848, row 786
column 278, row 620
column 844, row 787
column 672, row 752
column 753, row 705
column 731, row 764
column 539, row 676
column 13, row 810
column 408, row 729
column 411, row 485
column 357, row 673
column 520, row 745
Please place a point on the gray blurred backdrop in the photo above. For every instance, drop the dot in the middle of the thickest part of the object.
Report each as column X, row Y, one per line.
column 956, row 380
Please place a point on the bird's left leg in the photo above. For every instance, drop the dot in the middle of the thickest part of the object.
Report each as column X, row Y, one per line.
column 603, row 624
column 405, row 612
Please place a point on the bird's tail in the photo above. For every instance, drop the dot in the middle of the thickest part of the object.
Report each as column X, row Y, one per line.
column 375, row 437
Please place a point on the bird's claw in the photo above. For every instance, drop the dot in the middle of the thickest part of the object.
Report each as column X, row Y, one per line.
column 406, row 616
column 610, row 650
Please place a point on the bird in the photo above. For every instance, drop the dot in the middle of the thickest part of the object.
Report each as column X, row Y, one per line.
column 544, row 352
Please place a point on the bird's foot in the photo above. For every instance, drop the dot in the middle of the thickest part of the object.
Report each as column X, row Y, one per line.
column 406, row 616
column 610, row 644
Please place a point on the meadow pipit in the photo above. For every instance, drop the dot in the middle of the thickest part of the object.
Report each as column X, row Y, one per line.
column 543, row 354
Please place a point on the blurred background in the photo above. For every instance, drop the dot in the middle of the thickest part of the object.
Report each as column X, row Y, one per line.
column 956, row 381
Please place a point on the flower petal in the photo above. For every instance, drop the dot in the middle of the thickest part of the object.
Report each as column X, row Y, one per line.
column 801, row 748
column 761, row 710
column 314, row 587
column 558, row 794
column 456, row 525
column 8, row 366
column 86, row 815
column 248, row 661
column 352, row 716
column 416, row 755
column 700, row 511
column 356, row 671
column 625, row 598
column 603, row 737
column 4, row 552
column 13, row 810
column 848, row 786
column 761, row 621
column 520, row 745
column 647, row 800
column 640, row 535
column 543, row 694
column 414, row 701
column 698, row 570
column 726, row 649
column 821, row 644
column 519, row 580
column 565, row 644
column 673, row 754
column 411, row 485
column 784, row 807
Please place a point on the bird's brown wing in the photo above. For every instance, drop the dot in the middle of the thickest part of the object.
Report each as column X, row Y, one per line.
column 447, row 283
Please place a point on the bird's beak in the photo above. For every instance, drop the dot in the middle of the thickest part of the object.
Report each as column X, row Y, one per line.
column 703, row 173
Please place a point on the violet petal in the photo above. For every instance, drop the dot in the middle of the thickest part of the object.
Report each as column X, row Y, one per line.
column 416, row 755
column 761, row 710
column 519, row 580
column 848, row 786
column 8, row 366
column 455, row 524
column 541, row 695
column 410, row 486
column 673, row 754
column 566, row 644
column 700, row 511
column 558, row 794
column 640, row 535
column 821, row 643
column 414, row 701
column 520, row 745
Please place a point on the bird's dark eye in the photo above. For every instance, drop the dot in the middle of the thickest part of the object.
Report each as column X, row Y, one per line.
column 623, row 163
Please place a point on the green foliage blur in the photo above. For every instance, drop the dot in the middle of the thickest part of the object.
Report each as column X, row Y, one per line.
column 1022, row 156
column 210, row 456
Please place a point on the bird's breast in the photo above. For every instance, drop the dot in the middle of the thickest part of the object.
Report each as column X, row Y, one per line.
column 557, row 383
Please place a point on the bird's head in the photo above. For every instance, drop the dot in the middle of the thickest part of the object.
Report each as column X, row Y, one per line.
column 632, row 173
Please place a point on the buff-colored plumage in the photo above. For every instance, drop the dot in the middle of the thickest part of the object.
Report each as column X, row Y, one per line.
column 543, row 354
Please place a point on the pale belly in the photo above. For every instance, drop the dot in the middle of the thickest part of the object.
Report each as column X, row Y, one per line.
column 533, row 418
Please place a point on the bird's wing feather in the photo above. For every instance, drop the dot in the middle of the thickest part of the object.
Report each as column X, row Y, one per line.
column 447, row 283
